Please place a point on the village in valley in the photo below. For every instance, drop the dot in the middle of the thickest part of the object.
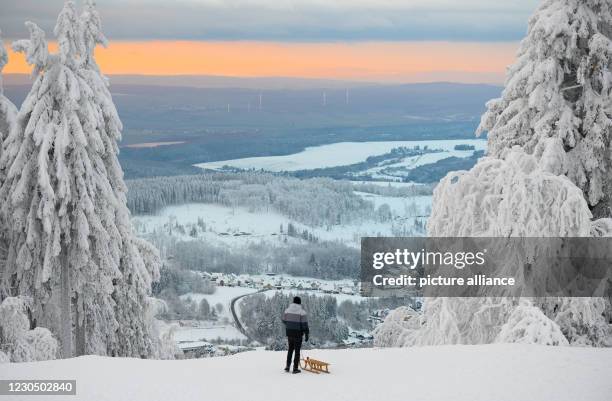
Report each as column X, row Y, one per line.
column 273, row 281
column 224, row 333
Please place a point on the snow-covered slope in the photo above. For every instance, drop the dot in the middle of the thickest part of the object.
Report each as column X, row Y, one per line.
column 471, row 373
column 223, row 222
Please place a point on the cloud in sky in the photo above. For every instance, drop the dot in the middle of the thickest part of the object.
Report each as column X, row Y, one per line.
column 356, row 61
column 290, row 20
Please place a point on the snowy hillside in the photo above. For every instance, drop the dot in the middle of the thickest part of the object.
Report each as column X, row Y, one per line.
column 470, row 373
column 239, row 227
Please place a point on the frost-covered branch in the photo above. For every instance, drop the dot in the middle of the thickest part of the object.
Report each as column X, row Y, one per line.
column 35, row 49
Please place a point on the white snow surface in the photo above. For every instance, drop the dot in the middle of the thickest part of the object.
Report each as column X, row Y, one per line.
column 501, row 372
column 193, row 336
column 342, row 154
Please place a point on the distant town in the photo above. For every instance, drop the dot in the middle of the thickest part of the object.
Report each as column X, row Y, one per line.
column 272, row 281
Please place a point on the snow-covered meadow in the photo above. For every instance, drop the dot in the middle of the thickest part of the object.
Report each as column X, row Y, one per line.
column 238, row 226
column 194, row 336
column 223, row 296
column 501, row 372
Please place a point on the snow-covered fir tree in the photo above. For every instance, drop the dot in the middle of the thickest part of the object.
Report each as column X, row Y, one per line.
column 71, row 244
column 20, row 342
column 8, row 111
column 546, row 174
column 91, row 33
column 560, row 86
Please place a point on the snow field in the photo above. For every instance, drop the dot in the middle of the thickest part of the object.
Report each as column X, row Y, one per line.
column 503, row 372
column 192, row 336
column 209, row 331
column 223, row 222
column 222, row 295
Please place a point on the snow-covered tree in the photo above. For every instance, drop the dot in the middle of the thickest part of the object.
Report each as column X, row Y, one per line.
column 398, row 324
column 91, row 32
column 71, row 244
column 517, row 196
column 18, row 340
column 527, row 324
column 8, row 111
column 69, row 39
column 547, row 172
column 560, row 87
column 141, row 261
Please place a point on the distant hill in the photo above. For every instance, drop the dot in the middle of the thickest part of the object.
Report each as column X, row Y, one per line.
column 213, row 81
column 220, row 123
column 438, row 100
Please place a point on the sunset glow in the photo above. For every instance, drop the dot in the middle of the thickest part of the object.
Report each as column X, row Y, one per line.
column 364, row 61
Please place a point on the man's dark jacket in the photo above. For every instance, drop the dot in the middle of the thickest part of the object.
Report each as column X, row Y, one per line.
column 296, row 321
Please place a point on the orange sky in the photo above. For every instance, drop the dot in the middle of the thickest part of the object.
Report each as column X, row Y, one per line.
column 367, row 61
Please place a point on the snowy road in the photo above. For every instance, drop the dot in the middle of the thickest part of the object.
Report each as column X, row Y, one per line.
column 443, row 373
column 237, row 323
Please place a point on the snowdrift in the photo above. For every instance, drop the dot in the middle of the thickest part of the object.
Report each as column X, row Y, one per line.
column 512, row 372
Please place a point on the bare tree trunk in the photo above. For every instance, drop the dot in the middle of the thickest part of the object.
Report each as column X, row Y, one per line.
column 65, row 307
column 80, row 328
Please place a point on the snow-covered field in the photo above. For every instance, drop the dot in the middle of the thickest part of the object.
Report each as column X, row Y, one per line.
column 219, row 219
column 223, row 296
column 193, row 336
column 239, row 226
column 413, row 206
column 223, row 328
column 345, row 153
column 501, row 372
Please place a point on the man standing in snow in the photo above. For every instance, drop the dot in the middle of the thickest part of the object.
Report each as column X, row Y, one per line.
column 296, row 325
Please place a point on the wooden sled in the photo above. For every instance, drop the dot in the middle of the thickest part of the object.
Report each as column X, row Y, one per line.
column 314, row 366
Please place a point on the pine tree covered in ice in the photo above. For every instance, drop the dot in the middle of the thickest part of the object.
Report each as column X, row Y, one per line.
column 547, row 172
column 71, row 245
column 560, row 86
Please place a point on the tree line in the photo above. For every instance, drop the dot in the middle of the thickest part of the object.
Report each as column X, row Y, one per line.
column 314, row 202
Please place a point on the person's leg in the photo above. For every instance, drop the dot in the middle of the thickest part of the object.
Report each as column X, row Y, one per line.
column 296, row 359
column 290, row 351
